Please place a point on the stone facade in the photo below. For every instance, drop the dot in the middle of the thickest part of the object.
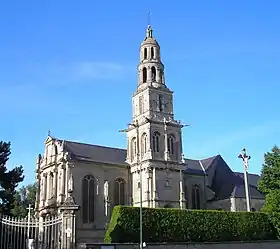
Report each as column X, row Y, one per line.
column 101, row 177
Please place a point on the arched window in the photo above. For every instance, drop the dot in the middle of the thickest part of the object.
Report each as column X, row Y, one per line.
column 50, row 188
column 144, row 75
column 119, row 197
column 141, row 105
column 143, row 144
column 152, row 52
column 133, row 148
column 145, row 53
column 153, row 73
column 88, row 199
column 170, row 144
column 156, row 142
column 195, row 197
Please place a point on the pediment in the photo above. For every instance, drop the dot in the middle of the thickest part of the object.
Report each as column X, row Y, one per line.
column 49, row 139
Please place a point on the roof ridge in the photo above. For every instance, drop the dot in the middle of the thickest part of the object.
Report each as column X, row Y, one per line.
column 201, row 159
column 95, row 145
column 238, row 172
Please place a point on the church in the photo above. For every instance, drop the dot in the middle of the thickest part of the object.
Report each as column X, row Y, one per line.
column 152, row 170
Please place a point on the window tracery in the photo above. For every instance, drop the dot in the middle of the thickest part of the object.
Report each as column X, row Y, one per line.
column 195, row 197
column 119, row 196
column 88, row 199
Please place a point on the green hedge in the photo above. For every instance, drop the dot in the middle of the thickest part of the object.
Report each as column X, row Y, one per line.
column 175, row 225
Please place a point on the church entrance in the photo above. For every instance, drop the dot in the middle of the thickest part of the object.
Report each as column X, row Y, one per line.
column 30, row 233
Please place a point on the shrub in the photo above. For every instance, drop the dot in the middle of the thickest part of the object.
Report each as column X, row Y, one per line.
column 175, row 225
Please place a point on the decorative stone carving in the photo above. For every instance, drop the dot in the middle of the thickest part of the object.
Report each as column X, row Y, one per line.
column 106, row 189
column 70, row 183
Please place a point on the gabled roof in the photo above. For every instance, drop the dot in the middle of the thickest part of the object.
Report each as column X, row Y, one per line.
column 96, row 153
column 253, row 179
column 226, row 183
column 193, row 167
column 223, row 181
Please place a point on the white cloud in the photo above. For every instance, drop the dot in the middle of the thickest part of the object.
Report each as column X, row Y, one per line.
column 99, row 70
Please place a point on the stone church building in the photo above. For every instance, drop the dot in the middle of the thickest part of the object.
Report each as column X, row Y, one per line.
column 101, row 177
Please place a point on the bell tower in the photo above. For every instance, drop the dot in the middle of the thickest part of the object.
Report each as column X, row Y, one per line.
column 152, row 97
column 154, row 143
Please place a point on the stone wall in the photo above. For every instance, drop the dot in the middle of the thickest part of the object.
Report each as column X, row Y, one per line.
column 232, row 245
column 256, row 204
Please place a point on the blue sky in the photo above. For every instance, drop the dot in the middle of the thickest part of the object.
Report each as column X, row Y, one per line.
column 70, row 67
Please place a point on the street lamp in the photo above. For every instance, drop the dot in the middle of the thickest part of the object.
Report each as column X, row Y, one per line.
column 245, row 158
column 136, row 126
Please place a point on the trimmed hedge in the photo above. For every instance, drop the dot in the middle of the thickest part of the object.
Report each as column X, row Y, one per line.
column 175, row 225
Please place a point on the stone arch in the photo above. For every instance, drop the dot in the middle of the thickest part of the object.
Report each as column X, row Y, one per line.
column 171, row 144
column 156, row 141
column 119, row 192
column 144, row 73
column 133, row 150
column 196, row 197
column 144, row 144
column 154, row 73
column 145, row 53
column 152, row 53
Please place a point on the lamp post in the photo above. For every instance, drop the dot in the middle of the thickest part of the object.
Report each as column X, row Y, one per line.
column 136, row 126
column 245, row 158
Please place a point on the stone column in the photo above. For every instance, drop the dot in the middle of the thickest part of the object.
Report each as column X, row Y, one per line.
column 107, row 204
column 158, row 75
column 154, row 188
column 42, row 199
column 182, row 194
column 38, row 191
column 62, row 183
column 55, row 183
column 68, row 211
column 149, row 192
column 45, row 186
column 129, row 187
column 166, row 152
column 149, row 74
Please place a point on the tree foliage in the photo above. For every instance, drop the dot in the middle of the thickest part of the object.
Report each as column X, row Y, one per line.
column 9, row 179
column 24, row 197
column 269, row 183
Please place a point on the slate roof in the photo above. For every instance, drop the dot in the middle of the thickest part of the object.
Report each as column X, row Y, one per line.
column 220, row 178
column 96, row 153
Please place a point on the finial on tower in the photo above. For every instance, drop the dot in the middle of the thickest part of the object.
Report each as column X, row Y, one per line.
column 149, row 32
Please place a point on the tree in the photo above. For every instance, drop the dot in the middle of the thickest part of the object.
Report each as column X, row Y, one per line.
column 269, row 183
column 24, row 197
column 9, row 179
